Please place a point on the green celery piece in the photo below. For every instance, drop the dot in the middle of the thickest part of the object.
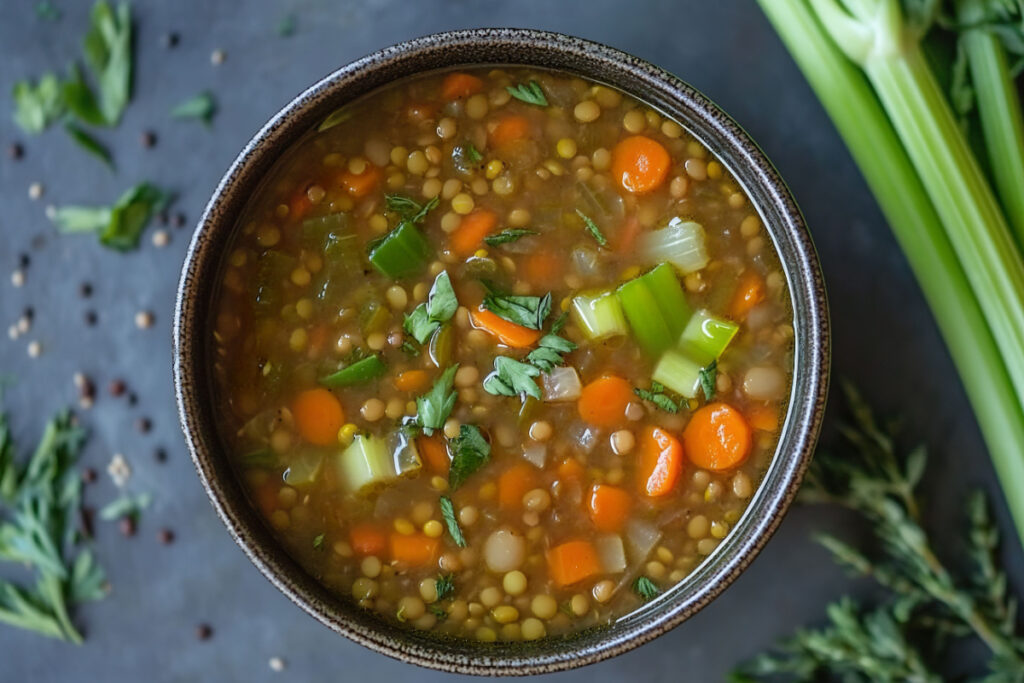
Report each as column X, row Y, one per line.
column 598, row 315
column 668, row 294
column 360, row 372
column 649, row 325
column 371, row 461
column 708, row 334
column 879, row 153
column 273, row 269
column 304, row 468
column 403, row 252
column 679, row 370
column 316, row 232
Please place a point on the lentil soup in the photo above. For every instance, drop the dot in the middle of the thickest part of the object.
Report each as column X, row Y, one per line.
column 501, row 353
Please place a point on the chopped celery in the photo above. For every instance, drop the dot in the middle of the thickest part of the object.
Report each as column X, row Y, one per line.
column 304, row 469
column 342, row 255
column 273, row 269
column 316, row 231
column 404, row 251
column 598, row 315
column 707, row 333
column 649, row 326
column 679, row 370
column 681, row 244
column 372, row 461
column 668, row 294
column 360, row 372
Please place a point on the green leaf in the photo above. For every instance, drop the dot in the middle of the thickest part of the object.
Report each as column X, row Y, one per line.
column 528, row 311
column 434, row 407
column 130, row 215
column 408, row 208
column 80, row 100
column 448, row 513
column 88, row 580
column 201, row 106
column 708, row 375
column 645, row 588
column 108, row 52
column 439, row 308
column 126, row 505
column 89, row 144
column 318, row 542
column 471, row 152
column 37, row 106
column 470, row 452
column 512, row 378
column 656, row 395
column 77, row 219
column 530, row 93
column 592, row 228
column 549, row 352
column 445, row 586
column 508, row 235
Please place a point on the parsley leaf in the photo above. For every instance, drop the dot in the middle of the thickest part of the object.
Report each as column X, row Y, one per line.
column 37, row 106
column 470, row 452
column 439, row 308
column 448, row 513
column 80, row 100
column 409, row 349
column 409, row 208
column 508, row 235
column 656, row 395
column 126, row 505
column 528, row 311
column 530, row 93
column 592, row 228
column 708, row 375
column 437, row 611
column 201, row 106
column 445, row 586
column 318, row 542
column 471, row 152
column 559, row 323
column 89, row 144
column 434, row 407
column 645, row 588
column 549, row 351
column 512, row 378
column 119, row 226
column 108, row 52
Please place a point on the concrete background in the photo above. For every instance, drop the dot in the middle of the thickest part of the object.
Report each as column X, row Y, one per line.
column 884, row 335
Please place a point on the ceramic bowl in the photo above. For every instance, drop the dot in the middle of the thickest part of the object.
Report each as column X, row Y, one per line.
column 768, row 193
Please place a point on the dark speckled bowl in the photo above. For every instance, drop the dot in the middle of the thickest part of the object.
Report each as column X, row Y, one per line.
column 192, row 341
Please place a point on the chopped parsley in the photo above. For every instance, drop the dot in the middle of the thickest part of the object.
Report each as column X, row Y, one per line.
column 437, row 611
column 119, row 226
column 512, row 378
column 318, row 542
column 126, row 505
column 645, row 588
column 656, row 395
column 592, row 228
column 471, row 152
column 445, row 584
column 409, row 209
column 470, row 452
column 439, row 308
column 202, row 106
column 528, row 311
column 531, row 93
column 549, row 352
column 434, row 407
column 37, row 106
column 448, row 513
column 708, row 375
column 89, row 144
column 508, row 235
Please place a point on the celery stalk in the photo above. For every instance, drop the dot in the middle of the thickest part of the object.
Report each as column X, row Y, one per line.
column 878, row 152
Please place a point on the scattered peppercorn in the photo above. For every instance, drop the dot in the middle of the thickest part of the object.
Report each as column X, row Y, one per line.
column 217, row 57
column 161, row 238
column 35, row 190
column 86, row 390
column 89, row 475
column 15, row 151
column 85, row 516
column 116, row 387
column 178, row 220
column 160, row 455
column 18, row 277
column 91, row 318
column 85, row 290
column 204, row 631
column 165, row 536
column 147, row 139
column 127, row 526
column 170, row 40
column 143, row 424
column 24, row 259
column 144, row 320
column 133, row 398
column 276, row 664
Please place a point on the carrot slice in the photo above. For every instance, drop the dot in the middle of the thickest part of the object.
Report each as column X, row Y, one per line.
column 640, row 164
column 513, row 485
column 603, row 402
column 717, row 437
column 570, row 468
column 509, row 334
column 412, row 381
column 368, row 538
column 458, row 85
column 472, row 230
column 318, row 416
column 660, row 462
column 749, row 293
column 609, row 507
column 543, row 268
column 572, row 562
column 362, row 184
column 764, row 417
column 414, row 550
column 509, row 129
column 434, row 453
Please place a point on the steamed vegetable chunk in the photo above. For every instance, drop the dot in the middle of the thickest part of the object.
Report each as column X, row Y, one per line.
column 501, row 354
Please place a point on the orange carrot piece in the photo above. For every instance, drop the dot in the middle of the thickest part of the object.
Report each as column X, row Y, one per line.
column 368, row 538
column 717, row 437
column 570, row 469
column 318, row 416
column 434, row 452
column 749, row 293
column 510, row 129
column 362, row 184
column 412, row 381
column 660, row 462
column 609, row 507
column 509, row 334
column 764, row 417
column 544, row 268
column 572, row 562
column 472, row 230
column 603, row 402
column 414, row 550
column 458, row 85
column 299, row 206
column 513, row 485
column 418, row 112
column 640, row 164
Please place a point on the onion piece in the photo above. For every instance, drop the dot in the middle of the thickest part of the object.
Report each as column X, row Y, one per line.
column 536, row 454
column 561, row 384
column 641, row 537
column 611, row 553
column 681, row 244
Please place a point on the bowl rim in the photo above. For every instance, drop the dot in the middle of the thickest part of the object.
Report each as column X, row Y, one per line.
column 509, row 46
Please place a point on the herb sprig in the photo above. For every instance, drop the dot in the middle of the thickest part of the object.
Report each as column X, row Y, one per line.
column 434, row 407
column 119, row 226
column 656, row 395
column 646, row 588
column 451, row 521
column 528, row 311
column 508, row 235
column 438, row 309
column 708, row 375
column 409, row 209
column 202, row 107
column 592, row 228
column 531, row 93
column 470, row 452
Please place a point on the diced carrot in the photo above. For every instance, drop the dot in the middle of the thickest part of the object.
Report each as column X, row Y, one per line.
column 543, row 268
column 318, row 416
column 412, row 381
column 572, row 562
column 717, row 437
column 299, row 206
column 514, row 483
column 627, row 235
column 510, row 129
column 640, row 164
column 749, row 293
column 458, row 85
column 472, row 230
column 368, row 538
column 414, row 550
column 603, row 402
column 434, row 452
column 570, row 469
column 418, row 112
column 660, row 462
column 361, row 184
column 609, row 507
column 266, row 496
column 763, row 416
column 508, row 333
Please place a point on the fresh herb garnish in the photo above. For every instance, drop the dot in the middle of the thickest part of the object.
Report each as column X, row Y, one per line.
column 549, row 352
column 559, row 323
column 201, row 106
column 437, row 611
column 119, row 226
column 409, row 209
column 448, row 513
column 512, row 378
column 410, row 349
column 708, row 375
column 470, row 451
column 108, row 52
column 645, row 588
column 656, row 395
column 125, row 505
column 80, row 100
column 528, row 311
column 508, row 235
column 439, row 308
column 471, row 152
column 318, row 542
column 445, row 586
column 592, row 228
column 37, row 106
column 530, row 93
column 89, row 144
column 434, row 407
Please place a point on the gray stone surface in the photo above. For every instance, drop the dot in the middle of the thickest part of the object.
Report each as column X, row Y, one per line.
column 885, row 339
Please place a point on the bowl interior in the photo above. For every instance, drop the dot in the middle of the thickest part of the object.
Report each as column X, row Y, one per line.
column 676, row 99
